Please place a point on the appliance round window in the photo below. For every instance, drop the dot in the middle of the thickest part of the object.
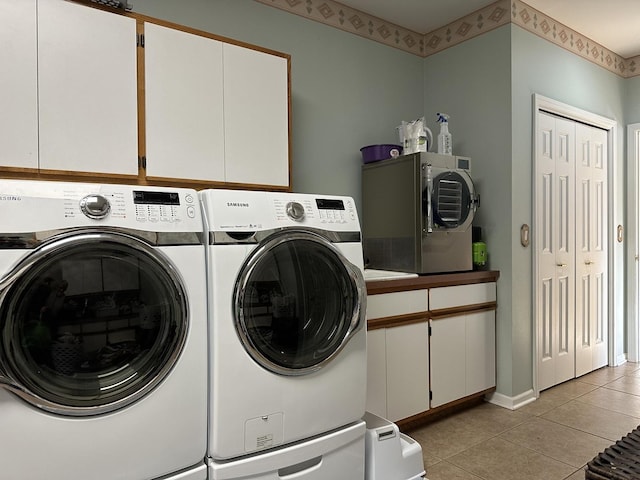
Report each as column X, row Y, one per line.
column 450, row 199
column 91, row 322
column 297, row 303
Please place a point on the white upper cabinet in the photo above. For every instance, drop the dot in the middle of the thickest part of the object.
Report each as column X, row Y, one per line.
column 184, row 109
column 256, row 117
column 87, row 89
column 18, row 85
column 214, row 111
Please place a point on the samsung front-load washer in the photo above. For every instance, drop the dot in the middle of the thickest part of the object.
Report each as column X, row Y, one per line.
column 287, row 318
column 102, row 332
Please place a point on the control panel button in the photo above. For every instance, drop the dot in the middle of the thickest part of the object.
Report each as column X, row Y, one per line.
column 191, row 212
column 95, row 206
column 295, row 211
column 188, row 198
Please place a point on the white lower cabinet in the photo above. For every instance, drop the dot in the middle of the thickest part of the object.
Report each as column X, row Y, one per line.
column 462, row 356
column 407, row 370
column 377, row 372
column 430, row 347
column 398, row 371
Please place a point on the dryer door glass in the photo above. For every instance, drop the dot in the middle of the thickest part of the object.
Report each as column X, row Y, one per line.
column 91, row 322
column 297, row 303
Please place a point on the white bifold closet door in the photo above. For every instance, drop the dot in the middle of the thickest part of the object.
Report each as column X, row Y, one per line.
column 571, row 215
column 555, row 240
column 591, row 249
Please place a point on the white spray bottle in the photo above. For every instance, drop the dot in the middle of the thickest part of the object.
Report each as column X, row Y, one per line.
column 444, row 137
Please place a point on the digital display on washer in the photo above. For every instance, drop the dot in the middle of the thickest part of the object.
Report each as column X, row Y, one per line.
column 327, row 204
column 464, row 164
column 155, row 198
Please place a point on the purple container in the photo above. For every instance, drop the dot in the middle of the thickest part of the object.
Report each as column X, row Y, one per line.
column 373, row 153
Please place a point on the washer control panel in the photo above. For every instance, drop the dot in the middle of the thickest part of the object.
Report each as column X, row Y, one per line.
column 32, row 205
column 95, row 206
column 134, row 206
column 162, row 206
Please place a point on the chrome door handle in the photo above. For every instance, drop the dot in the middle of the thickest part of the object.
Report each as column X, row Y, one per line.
column 561, row 264
column 588, row 262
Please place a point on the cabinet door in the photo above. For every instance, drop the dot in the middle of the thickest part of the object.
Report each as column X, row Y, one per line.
column 448, row 359
column 377, row 373
column 480, row 351
column 407, row 370
column 256, row 117
column 87, row 89
column 184, row 105
column 18, row 85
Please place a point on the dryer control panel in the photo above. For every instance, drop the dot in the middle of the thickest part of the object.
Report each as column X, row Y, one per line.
column 237, row 210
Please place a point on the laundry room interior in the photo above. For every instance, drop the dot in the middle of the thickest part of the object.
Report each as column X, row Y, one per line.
column 320, row 239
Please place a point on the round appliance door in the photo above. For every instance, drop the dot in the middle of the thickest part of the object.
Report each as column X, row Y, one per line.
column 90, row 322
column 298, row 301
column 450, row 200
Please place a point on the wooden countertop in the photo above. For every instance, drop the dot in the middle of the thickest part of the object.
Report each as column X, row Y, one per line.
column 403, row 284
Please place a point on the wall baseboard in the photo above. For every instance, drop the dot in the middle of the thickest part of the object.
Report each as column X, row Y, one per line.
column 512, row 403
column 620, row 360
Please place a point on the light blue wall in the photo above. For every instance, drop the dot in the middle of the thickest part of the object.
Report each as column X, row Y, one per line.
column 347, row 91
column 487, row 84
column 540, row 67
column 472, row 83
column 632, row 100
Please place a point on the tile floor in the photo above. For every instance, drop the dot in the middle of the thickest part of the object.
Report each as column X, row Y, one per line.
column 552, row 438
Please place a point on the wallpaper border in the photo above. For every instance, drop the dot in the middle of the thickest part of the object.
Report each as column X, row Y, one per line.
column 501, row 12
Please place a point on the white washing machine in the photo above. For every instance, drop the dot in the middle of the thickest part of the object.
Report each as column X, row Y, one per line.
column 287, row 329
column 103, row 332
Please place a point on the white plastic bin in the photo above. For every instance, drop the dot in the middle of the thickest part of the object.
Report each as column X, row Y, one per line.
column 389, row 454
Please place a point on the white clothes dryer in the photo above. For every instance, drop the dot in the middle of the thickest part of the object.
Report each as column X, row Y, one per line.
column 287, row 309
column 102, row 332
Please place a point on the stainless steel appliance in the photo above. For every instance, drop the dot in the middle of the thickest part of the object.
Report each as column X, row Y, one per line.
column 417, row 213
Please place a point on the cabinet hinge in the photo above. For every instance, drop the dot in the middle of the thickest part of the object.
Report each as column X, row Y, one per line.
column 430, row 395
column 142, row 162
column 140, row 40
column 429, row 330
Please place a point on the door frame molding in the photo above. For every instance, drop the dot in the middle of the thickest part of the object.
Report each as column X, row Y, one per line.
column 633, row 244
column 573, row 113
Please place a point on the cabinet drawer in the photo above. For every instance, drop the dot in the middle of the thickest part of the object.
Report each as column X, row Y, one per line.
column 460, row 295
column 396, row 303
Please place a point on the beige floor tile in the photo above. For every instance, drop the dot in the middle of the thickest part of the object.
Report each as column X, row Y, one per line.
column 560, row 442
column 428, row 458
column 455, row 433
column 627, row 368
column 591, row 419
column 614, row 400
column 556, row 396
column 627, row 384
column 498, row 459
column 602, row 376
column 448, row 437
column 578, row 475
column 447, row 471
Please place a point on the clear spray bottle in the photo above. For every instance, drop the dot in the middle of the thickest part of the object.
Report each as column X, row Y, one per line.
column 444, row 137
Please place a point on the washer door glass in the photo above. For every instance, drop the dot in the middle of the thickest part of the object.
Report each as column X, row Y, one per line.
column 90, row 323
column 297, row 303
